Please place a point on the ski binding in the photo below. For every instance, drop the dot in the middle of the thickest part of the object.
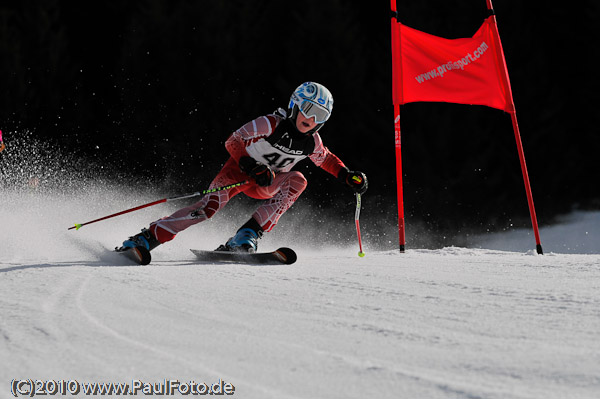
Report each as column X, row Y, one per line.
column 139, row 254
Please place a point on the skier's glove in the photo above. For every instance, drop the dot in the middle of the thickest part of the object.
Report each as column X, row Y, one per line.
column 356, row 180
column 261, row 173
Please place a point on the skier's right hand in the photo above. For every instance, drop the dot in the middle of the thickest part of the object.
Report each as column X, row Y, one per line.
column 261, row 173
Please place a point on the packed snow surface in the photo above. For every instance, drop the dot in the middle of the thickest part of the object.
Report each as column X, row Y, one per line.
column 455, row 322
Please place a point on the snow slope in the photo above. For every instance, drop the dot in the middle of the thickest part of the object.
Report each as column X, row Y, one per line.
column 447, row 323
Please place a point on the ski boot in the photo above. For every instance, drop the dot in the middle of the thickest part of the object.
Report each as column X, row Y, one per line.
column 245, row 240
column 144, row 239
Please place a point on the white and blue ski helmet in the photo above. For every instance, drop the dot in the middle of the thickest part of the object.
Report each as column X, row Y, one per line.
column 313, row 100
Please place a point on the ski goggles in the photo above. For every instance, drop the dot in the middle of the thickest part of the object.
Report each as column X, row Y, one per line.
column 311, row 109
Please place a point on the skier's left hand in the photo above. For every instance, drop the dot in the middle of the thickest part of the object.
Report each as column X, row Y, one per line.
column 261, row 173
column 356, row 180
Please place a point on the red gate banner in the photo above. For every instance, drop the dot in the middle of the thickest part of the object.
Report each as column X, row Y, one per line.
column 465, row 71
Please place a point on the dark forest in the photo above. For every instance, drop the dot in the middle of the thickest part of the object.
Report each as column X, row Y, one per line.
column 153, row 88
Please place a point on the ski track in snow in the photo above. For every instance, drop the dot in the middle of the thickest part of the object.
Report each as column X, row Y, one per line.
column 447, row 323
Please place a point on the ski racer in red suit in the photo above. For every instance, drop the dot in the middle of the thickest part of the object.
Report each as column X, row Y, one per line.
column 263, row 151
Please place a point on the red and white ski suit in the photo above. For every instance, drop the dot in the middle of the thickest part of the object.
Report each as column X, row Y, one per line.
column 269, row 139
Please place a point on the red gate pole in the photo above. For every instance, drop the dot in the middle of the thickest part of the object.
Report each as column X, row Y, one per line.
column 397, row 98
column 536, row 232
column 513, row 115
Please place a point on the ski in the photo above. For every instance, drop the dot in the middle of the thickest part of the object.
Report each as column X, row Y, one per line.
column 139, row 255
column 281, row 256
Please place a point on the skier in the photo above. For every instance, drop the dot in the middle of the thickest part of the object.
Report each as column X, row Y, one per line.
column 2, row 146
column 263, row 151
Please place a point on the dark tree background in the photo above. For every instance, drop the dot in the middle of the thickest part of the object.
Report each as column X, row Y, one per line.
column 154, row 88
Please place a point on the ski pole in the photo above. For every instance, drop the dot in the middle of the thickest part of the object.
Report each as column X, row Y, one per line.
column 356, row 216
column 77, row 226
